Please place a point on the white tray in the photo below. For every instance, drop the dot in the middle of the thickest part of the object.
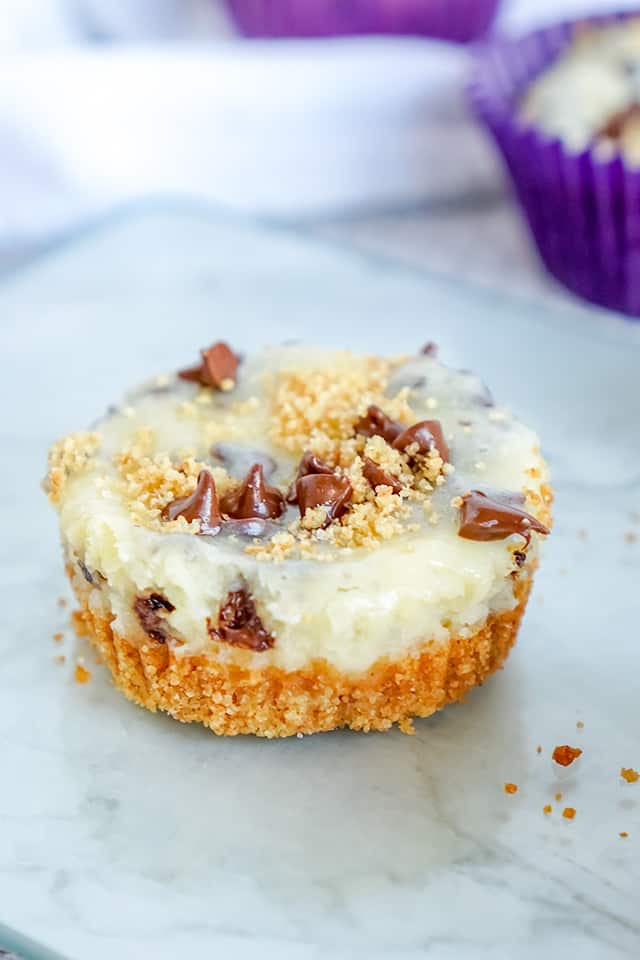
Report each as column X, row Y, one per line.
column 126, row 835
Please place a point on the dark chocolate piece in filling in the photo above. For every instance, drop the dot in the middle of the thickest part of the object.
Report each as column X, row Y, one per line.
column 200, row 505
column 239, row 623
column 254, row 498
column 615, row 127
column 219, row 364
column 495, row 518
column 148, row 610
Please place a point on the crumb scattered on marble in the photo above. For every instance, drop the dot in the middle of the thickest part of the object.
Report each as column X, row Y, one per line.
column 580, row 725
column 630, row 775
column 60, row 658
column 565, row 755
column 57, row 637
column 558, row 797
column 569, row 813
column 623, row 834
column 62, row 601
column 547, row 809
column 538, row 749
column 630, row 536
column 82, row 675
column 511, row 788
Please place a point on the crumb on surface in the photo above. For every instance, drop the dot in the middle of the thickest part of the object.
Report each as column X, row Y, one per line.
column 565, row 755
column 569, row 813
column 630, row 536
column 57, row 637
column 406, row 726
column 538, row 749
column 60, row 658
column 580, row 725
column 62, row 601
column 547, row 809
column 630, row 775
column 81, row 674
column 623, row 834
column 558, row 797
column 511, row 788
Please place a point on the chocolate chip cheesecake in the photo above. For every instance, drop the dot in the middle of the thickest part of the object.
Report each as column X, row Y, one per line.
column 302, row 539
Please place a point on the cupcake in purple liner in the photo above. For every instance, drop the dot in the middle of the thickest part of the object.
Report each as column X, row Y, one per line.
column 456, row 20
column 563, row 105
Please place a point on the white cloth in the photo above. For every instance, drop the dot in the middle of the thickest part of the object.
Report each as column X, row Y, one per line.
column 103, row 101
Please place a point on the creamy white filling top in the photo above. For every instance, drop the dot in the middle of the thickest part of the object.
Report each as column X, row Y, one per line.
column 596, row 78
column 349, row 607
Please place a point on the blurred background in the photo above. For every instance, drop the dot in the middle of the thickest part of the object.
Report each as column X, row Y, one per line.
column 361, row 139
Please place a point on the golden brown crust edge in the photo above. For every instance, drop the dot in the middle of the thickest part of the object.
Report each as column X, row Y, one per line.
column 271, row 702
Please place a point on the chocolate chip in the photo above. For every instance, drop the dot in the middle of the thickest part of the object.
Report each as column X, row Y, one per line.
column 147, row 610
column 377, row 424
column 239, row 623
column 519, row 557
column 217, row 368
column 309, row 464
column 378, row 477
column 427, row 434
column 430, row 349
column 327, row 490
column 200, row 505
column 495, row 518
column 254, row 498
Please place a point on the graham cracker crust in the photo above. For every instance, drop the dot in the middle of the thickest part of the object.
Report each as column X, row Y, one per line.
column 271, row 702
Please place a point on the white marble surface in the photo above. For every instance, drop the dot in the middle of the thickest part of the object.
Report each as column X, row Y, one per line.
column 124, row 835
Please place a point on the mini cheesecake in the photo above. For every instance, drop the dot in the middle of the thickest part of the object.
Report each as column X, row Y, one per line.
column 302, row 539
column 590, row 95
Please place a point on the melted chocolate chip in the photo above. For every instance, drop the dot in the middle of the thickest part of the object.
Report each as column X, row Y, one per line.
column 147, row 610
column 377, row 424
column 378, row 477
column 519, row 557
column 218, row 366
column 326, row 490
column 200, row 505
column 254, row 498
column 427, row 434
column 495, row 518
column 309, row 464
column 430, row 349
column 239, row 623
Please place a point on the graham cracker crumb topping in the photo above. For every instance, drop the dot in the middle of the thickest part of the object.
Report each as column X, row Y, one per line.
column 69, row 457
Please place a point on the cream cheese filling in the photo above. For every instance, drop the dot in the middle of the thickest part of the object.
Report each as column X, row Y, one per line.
column 350, row 608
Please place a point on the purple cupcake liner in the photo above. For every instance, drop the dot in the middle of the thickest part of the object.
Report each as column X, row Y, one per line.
column 456, row 20
column 584, row 213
